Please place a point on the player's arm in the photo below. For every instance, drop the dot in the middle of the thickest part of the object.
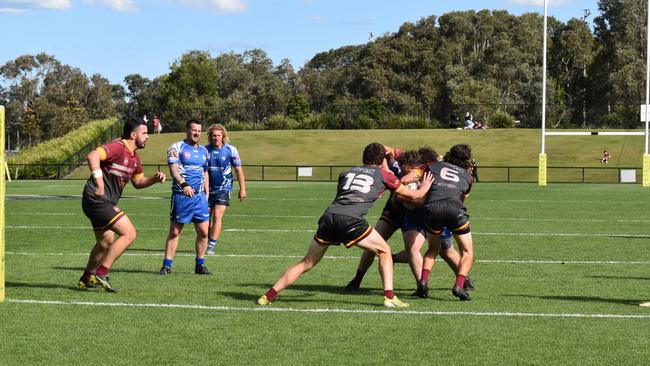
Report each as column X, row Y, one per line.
column 239, row 172
column 414, row 175
column 94, row 159
column 139, row 181
column 206, row 184
column 412, row 196
column 176, row 174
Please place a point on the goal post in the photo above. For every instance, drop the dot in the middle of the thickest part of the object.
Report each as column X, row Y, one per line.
column 2, row 204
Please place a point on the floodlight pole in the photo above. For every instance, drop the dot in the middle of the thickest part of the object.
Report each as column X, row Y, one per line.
column 542, row 155
column 645, row 180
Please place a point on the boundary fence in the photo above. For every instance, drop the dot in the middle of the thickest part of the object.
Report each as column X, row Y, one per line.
column 329, row 173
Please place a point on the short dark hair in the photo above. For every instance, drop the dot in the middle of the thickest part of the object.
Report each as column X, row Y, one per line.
column 428, row 155
column 131, row 125
column 373, row 154
column 409, row 158
column 191, row 122
column 459, row 155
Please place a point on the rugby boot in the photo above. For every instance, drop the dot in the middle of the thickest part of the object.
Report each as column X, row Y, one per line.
column 469, row 284
column 263, row 300
column 352, row 286
column 164, row 270
column 103, row 281
column 89, row 284
column 394, row 303
column 460, row 293
column 201, row 270
column 422, row 291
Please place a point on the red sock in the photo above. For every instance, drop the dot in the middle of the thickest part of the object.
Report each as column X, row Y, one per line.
column 270, row 294
column 460, row 281
column 389, row 294
column 102, row 271
column 425, row 275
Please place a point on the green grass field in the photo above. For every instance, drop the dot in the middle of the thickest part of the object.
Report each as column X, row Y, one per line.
column 559, row 271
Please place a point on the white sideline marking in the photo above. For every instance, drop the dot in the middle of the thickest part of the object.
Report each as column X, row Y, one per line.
column 266, row 256
column 597, row 235
column 335, row 311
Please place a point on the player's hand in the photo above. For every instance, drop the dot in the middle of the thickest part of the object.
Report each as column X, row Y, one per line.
column 188, row 191
column 99, row 192
column 159, row 177
column 242, row 194
column 427, row 180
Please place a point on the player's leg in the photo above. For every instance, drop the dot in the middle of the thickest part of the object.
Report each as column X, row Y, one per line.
column 413, row 241
column 201, row 245
column 175, row 230
column 385, row 230
column 126, row 234
column 452, row 258
column 376, row 244
column 292, row 274
column 466, row 246
column 103, row 239
column 216, row 215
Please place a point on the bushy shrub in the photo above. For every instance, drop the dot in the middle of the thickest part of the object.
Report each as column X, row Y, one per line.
column 280, row 122
column 235, row 125
column 501, row 119
column 405, row 121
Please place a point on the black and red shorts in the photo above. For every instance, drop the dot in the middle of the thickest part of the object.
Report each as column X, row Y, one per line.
column 447, row 213
column 335, row 229
column 102, row 214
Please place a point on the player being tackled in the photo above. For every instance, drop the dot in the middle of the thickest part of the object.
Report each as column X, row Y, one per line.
column 344, row 222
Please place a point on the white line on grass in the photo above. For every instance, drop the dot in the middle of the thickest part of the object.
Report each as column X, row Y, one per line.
column 506, row 314
column 265, row 256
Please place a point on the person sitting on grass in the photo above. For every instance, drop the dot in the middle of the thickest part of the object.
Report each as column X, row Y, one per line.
column 344, row 222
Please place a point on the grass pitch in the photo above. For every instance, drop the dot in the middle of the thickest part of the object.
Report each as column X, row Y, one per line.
column 559, row 270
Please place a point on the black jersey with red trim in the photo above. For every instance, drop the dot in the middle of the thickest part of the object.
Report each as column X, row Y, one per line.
column 359, row 188
column 118, row 165
column 449, row 182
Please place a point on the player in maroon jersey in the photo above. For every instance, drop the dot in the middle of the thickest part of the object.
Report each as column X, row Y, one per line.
column 112, row 166
column 344, row 222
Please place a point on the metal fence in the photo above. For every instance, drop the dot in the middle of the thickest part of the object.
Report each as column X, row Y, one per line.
column 328, row 173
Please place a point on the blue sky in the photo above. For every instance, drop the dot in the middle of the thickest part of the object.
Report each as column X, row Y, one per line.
column 120, row 37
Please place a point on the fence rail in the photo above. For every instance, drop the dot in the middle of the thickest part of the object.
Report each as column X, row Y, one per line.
column 328, row 173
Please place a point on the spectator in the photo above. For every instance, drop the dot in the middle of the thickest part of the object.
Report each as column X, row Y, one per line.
column 606, row 157
column 157, row 127
column 469, row 121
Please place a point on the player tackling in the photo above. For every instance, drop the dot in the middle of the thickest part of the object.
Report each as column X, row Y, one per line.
column 344, row 221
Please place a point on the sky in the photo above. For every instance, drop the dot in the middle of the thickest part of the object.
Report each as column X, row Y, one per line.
column 116, row 38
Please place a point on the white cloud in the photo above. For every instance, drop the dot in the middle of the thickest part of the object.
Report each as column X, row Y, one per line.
column 12, row 11
column 117, row 5
column 45, row 4
column 218, row 6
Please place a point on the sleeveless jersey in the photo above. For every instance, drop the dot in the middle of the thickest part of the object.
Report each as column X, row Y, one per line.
column 359, row 188
column 449, row 182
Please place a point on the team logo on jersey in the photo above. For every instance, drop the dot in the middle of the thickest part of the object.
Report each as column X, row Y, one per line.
column 116, row 209
column 188, row 155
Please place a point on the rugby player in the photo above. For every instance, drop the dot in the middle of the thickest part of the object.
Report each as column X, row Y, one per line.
column 444, row 204
column 112, row 166
column 222, row 159
column 344, row 222
column 188, row 165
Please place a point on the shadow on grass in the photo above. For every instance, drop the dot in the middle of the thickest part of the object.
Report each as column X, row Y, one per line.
column 595, row 299
column 81, row 269
column 621, row 278
column 292, row 299
column 160, row 250
column 40, row 285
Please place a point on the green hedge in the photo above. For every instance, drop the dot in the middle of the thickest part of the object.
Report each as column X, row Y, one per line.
column 61, row 149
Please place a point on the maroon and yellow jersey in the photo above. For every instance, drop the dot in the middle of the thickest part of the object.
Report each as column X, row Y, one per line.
column 118, row 165
column 359, row 188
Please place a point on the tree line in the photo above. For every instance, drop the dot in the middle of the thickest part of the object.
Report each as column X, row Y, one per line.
column 488, row 63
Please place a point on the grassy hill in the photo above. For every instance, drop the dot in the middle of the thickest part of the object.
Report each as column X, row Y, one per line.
column 502, row 147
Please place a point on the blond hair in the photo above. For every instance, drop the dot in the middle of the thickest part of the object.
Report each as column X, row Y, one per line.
column 220, row 127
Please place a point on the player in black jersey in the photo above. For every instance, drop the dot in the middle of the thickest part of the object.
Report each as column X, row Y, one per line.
column 444, row 204
column 344, row 222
